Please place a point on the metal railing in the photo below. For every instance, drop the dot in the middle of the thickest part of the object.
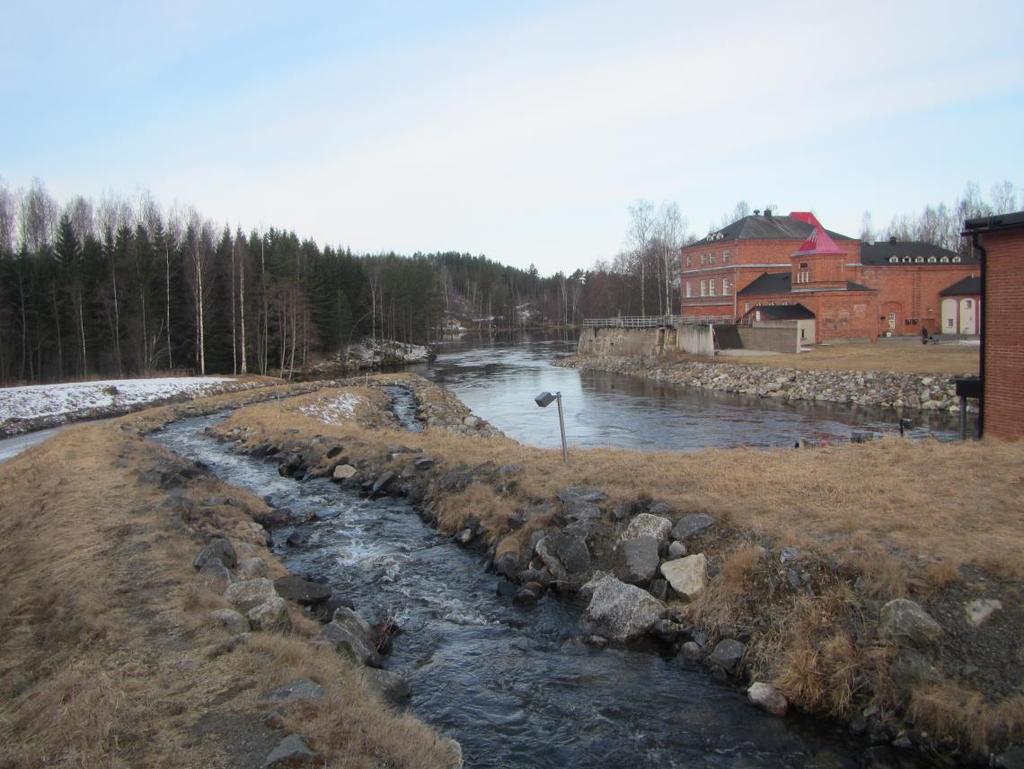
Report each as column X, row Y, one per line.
column 651, row 321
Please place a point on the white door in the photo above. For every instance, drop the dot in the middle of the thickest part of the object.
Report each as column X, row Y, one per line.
column 949, row 324
column 967, row 316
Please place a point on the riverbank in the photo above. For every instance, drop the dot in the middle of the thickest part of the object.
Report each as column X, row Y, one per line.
column 117, row 650
column 900, row 391
column 849, row 581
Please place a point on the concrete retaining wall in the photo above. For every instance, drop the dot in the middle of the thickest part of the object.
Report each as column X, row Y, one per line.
column 770, row 339
column 646, row 342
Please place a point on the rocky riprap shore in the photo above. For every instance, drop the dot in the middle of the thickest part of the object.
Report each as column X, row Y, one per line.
column 873, row 389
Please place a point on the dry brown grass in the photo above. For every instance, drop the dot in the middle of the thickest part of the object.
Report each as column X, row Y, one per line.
column 106, row 652
column 908, row 356
column 954, row 713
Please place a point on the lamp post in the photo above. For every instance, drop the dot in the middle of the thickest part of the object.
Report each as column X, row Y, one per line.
column 543, row 400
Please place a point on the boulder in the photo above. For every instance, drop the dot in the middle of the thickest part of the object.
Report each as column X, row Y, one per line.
column 343, row 472
column 270, row 615
column 659, row 589
column 294, row 691
column 768, row 698
column 586, row 591
column 291, row 751
column 691, row 525
column 687, row 576
column 621, row 612
column 250, row 593
column 660, row 508
column 215, row 576
column 690, row 652
column 906, row 623
column 636, row 560
column 647, row 525
column 294, row 588
column 350, row 634
column 216, row 551
column 728, row 654
column 231, row 620
column 250, row 568
column 566, row 555
column 383, row 482
column 423, row 463
column 575, row 494
column 391, row 686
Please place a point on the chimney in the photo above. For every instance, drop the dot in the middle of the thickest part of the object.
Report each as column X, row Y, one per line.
column 892, row 238
column 768, row 213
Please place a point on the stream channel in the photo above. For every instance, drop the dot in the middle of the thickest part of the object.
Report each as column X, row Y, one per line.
column 513, row 685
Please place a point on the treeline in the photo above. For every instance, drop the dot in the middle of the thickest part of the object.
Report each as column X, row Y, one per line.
column 125, row 288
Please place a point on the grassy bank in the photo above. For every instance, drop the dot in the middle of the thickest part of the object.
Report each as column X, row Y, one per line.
column 900, row 355
column 861, row 524
column 108, row 656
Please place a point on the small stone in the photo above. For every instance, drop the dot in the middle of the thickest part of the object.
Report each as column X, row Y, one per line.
column 391, row 686
column 231, row 620
column 250, row 593
column 728, row 654
column 979, row 611
column 251, row 568
column 906, row 623
column 676, row 550
column 295, row 588
column 215, row 576
column 291, row 751
column 294, row 691
column 382, row 483
column 768, row 698
column 343, row 472
column 297, row 538
column 471, row 421
column 788, row 554
column 691, row 652
column 270, row 615
column 464, row 537
column 423, row 463
column 659, row 589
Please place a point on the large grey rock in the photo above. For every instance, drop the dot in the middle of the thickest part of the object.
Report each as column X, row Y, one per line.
column 343, row 472
column 586, row 591
column 906, row 623
column 215, row 576
column 251, row 568
column 291, row 751
column 217, row 550
column 294, row 691
column 575, row 494
column 231, row 620
column 272, row 614
column 391, row 686
column 691, row 525
column 768, row 698
column 295, row 588
column 728, row 654
column 249, row 593
column 688, row 576
column 350, row 634
column 620, row 611
column 636, row 560
column 382, row 483
column 647, row 525
column 566, row 555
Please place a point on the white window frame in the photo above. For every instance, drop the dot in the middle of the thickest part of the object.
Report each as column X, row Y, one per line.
column 703, row 288
column 689, row 289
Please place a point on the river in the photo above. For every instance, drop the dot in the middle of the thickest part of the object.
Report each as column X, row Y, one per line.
column 498, row 379
column 513, row 685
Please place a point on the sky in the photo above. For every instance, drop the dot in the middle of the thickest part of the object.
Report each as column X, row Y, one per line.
column 521, row 130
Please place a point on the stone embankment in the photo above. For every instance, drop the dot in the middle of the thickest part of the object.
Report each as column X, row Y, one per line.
column 871, row 389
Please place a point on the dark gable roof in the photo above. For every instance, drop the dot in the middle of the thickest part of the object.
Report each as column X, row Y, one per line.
column 997, row 222
column 964, row 287
column 783, row 312
column 766, row 228
column 769, row 283
column 879, row 253
column 781, row 283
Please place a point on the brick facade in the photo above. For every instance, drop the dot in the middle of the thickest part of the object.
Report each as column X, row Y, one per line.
column 911, row 292
column 1004, row 334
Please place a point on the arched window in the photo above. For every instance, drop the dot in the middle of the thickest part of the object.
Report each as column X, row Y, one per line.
column 893, row 259
column 906, row 260
column 956, row 260
column 944, row 260
column 932, row 260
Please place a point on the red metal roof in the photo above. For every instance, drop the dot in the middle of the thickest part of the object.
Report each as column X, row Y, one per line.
column 807, row 217
column 819, row 242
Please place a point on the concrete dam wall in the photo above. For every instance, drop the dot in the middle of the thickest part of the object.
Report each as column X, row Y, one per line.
column 695, row 339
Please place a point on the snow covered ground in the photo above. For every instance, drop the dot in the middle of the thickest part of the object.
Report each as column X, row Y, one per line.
column 37, row 406
column 333, row 411
column 380, row 351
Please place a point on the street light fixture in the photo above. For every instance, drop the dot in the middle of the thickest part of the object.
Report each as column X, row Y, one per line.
column 543, row 400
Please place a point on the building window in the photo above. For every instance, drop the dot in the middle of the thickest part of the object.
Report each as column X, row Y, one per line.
column 967, row 304
column 703, row 258
column 689, row 289
column 893, row 259
column 725, row 257
column 944, row 260
column 687, row 260
column 703, row 288
column 919, row 260
column 711, row 287
column 746, row 307
column 932, row 260
column 956, row 260
column 711, row 258
column 726, row 287
column 906, row 260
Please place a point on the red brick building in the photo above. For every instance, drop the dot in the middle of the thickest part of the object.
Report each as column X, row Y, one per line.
column 1000, row 242
column 855, row 290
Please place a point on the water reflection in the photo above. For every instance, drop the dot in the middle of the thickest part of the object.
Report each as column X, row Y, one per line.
column 498, row 379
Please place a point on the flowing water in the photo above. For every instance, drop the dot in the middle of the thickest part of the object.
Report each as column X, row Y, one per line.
column 513, row 685
column 499, row 379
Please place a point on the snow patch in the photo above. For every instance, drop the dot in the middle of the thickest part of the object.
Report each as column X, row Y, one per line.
column 333, row 411
column 36, row 401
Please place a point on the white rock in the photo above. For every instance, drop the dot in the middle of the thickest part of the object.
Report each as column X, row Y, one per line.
column 688, row 576
column 980, row 610
column 647, row 525
column 343, row 472
column 768, row 698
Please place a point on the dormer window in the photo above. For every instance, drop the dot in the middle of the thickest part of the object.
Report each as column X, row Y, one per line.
column 893, row 259
column 944, row 260
column 956, row 260
column 919, row 260
column 932, row 260
column 906, row 260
